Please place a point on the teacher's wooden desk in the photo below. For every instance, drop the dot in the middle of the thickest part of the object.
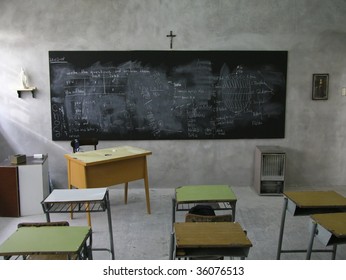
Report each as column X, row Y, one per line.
column 305, row 203
column 330, row 229
column 48, row 240
column 209, row 239
column 107, row 167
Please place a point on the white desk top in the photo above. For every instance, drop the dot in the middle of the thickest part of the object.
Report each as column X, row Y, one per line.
column 75, row 195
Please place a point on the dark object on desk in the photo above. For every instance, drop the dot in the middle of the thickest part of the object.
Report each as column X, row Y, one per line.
column 76, row 143
column 18, row 159
column 203, row 210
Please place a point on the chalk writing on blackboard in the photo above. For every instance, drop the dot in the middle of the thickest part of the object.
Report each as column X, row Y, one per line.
column 167, row 95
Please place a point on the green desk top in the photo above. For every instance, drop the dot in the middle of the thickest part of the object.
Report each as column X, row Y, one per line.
column 204, row 193
column 45, row 239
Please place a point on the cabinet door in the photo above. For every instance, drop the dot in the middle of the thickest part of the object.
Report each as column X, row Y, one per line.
column 9, row 197
column 30, row 189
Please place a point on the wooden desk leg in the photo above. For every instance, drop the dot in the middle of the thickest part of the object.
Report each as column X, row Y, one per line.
column 126, row 188
column 146, row 186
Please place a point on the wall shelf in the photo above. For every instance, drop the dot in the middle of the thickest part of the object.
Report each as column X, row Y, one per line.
column 29, row 89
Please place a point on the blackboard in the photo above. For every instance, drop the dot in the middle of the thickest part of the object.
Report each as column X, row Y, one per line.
column 138, row 95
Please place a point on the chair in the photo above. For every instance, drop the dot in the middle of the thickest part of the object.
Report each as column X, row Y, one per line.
column 76, row 143
column 47, row 256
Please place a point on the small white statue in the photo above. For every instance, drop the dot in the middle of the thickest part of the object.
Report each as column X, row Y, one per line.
column 24, row 78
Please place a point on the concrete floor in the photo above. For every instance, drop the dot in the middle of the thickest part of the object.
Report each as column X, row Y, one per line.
column 138, row 235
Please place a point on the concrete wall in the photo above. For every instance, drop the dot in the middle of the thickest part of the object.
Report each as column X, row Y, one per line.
column 313, row 32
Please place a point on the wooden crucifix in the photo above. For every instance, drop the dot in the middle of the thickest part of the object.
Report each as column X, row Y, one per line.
column 171, row 36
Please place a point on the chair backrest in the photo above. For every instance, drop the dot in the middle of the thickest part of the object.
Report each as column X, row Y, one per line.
column 58, row 224
column 76, row 143
column 192, row 218
column 47, row 256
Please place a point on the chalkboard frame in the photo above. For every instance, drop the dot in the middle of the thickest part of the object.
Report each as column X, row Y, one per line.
column 244, row 73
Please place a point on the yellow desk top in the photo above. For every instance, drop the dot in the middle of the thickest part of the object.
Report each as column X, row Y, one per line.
column 333, row 222
column 109, row 154
column 316, row 199
column 222, row 234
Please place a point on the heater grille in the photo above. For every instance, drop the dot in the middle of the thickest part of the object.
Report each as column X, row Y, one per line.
column 273, row 166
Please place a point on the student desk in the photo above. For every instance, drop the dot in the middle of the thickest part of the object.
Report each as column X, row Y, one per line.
column 80, row 200
column 209, row 239
column 304, row 203
column 188, row 196
column 107, row 167
column 330, row 229
column 48, row 240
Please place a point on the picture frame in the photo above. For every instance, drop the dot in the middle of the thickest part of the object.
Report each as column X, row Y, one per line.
column 320, row 86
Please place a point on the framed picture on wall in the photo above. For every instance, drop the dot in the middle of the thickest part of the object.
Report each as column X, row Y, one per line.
column 320, row 84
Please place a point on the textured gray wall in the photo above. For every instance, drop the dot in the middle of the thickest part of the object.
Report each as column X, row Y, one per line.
column 312, row 31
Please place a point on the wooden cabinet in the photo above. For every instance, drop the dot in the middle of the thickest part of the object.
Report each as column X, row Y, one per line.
column 269, row 177
column 23, row 187
column 9, row 194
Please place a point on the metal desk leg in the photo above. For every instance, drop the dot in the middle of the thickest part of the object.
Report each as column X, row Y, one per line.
column 171, row 246
column 334, row 251
column 233, row 211
column 110, row 225
column 311, row 242
column 283, row 217
column 146, row 185
column 173, row 211
column 172, row 241
column 47, row 217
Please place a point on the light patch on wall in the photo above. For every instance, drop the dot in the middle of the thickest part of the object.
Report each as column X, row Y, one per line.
column 19, row 115
column 10, row 37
